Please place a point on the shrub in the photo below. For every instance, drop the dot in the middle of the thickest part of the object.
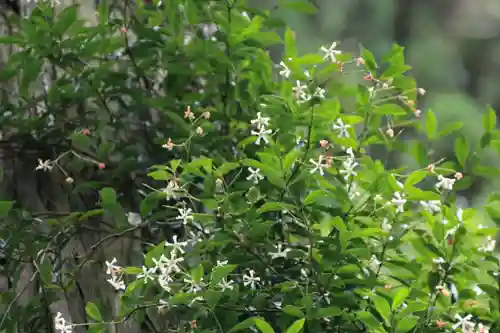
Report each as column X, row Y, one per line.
column 262, row 206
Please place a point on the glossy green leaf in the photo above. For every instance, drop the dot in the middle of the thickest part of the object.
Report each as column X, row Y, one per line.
column 93, row 311
column 297, row 326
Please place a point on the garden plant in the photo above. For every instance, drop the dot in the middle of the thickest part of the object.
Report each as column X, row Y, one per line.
column 244, row 194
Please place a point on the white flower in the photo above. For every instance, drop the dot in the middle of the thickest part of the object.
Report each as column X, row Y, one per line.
column 45, row 165
column 116, row 275
column 349, row 165
column 112, row 268
column 224, row 284
column 374, row 263
column 194, row 300
column 302, row 98
column 299, row 88
column 193, row 286
column 162, row 305
column 319, row 92
column 465, row 323
column 433, row 206
column 177, row 246
column 478, row 290
column 60, row 324
column 489, row 245
column 445, row 183
column 185, row 215
column 318, row 165
column 438, row 261
column 164, row 282
column 250, row 279
column 399, row 202
column 386, row 226
column 146, row 274
column 167, row 266
column 342, row 128
column 255, row 175
column 134, row 219
column 482, row 328
column 353, row 191
column 116, row 282
column 261, row 135
column 285, row 71
column 331, row 53
column 170, row 190
column 260, row 122
column 279, row 252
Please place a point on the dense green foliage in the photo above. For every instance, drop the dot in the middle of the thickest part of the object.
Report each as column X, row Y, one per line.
column 248, row 185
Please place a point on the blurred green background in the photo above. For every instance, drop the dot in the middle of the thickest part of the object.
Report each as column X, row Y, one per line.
column 452, row 45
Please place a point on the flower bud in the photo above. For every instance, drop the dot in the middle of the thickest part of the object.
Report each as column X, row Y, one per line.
column 69, row 180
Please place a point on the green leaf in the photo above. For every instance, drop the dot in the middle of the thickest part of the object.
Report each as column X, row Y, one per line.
column 313, row 196
column 226, row 168
column 5, row 208
column 66, row 18
column 390, row 110
column 450, row 128
column 293, row 311
column 431, row 125
column 489, row 120
column 108, row 197
column 93, row 311
column 415, row 178
column 160, row 175
column 81, row 141
column 300, row 6
column 370, row 62
column 493, row 210
column 275, row 207
column 328, row 312
column 400, row 297
column 369, row 320
column 290, row 48
column 382, row 307
column 461, row 150
column 219, row 273
column 297, row 326
column 262, row 325
column 291, row 158
column 247, row 323
column 406, row 324
column 132, row 270
column 266, row 38
column 197, row 273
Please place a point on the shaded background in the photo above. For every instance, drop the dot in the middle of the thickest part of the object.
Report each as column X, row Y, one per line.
column 452, row 45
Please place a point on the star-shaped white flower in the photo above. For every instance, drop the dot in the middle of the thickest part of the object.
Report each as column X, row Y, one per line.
column 260, row 122
column 255, row 175
column 465, row 323
column 331, row 53
column 445, row 183
column 342, row 128
column 45, row 165
column 319, row 166
column 319, row 92
column 250, row 279
column 399, row 201
column 261, row 134
column 185, row 215
column 280, row 253
column 433, row 206
column 285, row 71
